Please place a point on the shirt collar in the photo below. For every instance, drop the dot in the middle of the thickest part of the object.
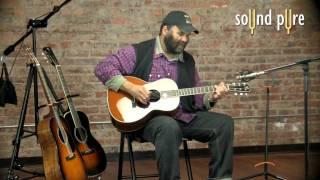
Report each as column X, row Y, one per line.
column 160, row 51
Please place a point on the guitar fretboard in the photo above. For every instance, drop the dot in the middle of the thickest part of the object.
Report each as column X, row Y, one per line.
column 65, row 89
column 188, row 91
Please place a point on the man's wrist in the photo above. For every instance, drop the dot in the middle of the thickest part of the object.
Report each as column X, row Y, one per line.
column 115, row 82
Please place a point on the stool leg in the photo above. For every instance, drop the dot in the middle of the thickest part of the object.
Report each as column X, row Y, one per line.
column 120, row 164
column 187, row 158
column 132, row 165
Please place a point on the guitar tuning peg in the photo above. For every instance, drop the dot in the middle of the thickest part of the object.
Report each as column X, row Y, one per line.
column 241, row 94
column 246, row 94
column 236, row 94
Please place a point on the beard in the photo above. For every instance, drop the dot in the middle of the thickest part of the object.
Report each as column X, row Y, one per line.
column 174, row 46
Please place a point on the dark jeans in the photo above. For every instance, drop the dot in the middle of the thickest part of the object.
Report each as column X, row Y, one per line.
column 166, row 134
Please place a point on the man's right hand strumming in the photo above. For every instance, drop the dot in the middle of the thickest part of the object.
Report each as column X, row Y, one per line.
column 137, row 91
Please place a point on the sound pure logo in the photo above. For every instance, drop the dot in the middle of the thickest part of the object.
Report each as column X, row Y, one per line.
column 282, row 21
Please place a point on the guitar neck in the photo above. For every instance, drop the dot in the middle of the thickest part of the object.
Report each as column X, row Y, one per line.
column 50, row 55
column 66, row 92
column 47, row 90
column 49, row 95
column 189, row 91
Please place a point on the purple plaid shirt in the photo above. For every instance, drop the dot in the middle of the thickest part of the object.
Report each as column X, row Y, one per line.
column 123, row 62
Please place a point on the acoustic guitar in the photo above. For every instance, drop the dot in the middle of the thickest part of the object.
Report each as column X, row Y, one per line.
column 91, row 151
column 69, row 160
column 129, row 115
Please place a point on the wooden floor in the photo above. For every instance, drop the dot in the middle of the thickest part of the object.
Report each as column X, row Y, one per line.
column 288, row 165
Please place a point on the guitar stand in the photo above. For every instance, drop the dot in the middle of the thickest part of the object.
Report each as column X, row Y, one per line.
column 265, row 163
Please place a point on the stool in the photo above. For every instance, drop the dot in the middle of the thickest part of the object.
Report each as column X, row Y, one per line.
column 134, row 175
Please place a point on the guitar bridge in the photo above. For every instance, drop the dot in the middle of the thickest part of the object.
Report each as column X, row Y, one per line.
column 90, row 151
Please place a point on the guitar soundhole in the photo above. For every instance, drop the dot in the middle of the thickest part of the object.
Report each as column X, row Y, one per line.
column 81, row 134
column 154, row 95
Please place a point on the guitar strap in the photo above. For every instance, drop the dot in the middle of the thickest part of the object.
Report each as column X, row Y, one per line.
column 185, row 70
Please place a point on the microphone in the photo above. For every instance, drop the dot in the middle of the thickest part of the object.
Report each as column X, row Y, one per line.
column 250, row 75
column 8, row 50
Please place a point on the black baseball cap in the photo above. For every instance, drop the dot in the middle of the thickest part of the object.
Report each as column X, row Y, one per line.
column 180, row 19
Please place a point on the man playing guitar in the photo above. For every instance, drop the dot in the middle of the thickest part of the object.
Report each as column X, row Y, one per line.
column 165, row 57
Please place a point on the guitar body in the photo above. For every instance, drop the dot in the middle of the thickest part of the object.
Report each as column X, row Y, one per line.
column 128, row 115
column 49, row 150
column 72, row 167
column 91, row 152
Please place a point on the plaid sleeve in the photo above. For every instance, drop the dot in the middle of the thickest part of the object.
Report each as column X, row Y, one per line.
column 120, row 63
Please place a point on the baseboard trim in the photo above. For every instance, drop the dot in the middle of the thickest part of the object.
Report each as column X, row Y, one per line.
column 202, row 152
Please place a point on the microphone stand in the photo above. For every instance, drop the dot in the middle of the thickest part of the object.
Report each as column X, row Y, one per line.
column 32, row 76
column 265, row 172
column 305, row 67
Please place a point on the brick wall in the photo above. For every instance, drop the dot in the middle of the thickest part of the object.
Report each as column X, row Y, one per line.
column 84, row 32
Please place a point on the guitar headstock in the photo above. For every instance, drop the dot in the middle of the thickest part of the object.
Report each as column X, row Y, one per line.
column 47, row 51
column 31, row 55
column 241, row 88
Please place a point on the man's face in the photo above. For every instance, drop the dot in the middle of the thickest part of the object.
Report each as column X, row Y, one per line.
column 175, row 40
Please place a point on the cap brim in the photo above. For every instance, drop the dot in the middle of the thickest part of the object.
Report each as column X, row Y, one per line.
column 189, row 29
